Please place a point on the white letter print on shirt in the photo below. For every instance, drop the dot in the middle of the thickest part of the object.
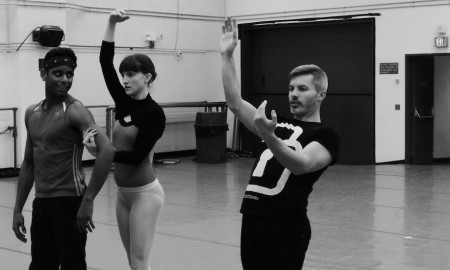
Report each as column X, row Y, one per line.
column 267, row 155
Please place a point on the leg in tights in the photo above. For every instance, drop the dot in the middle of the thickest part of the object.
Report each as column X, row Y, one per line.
column 123, row 207
column 143, row 211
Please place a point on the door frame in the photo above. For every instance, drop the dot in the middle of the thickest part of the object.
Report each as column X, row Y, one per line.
column 250, row 144
column 409, row 108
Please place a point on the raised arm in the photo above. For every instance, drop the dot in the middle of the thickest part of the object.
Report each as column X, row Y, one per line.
column 241, row 108
column 24, row 185
column 112, row 80
column 82, row 119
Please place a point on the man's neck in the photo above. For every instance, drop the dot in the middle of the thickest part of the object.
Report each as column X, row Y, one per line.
column 50, row 101
column 315, row 117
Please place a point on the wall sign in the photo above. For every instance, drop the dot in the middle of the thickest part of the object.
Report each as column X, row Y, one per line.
column 388, row 68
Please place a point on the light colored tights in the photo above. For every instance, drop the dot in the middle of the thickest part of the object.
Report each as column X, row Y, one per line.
column 138, row 210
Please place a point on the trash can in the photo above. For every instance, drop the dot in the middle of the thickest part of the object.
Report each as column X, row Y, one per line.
column 211, row 137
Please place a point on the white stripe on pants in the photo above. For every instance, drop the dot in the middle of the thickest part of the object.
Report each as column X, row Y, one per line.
column 138, row 210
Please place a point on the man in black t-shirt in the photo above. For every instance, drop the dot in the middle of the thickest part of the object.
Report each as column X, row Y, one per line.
column 275, row 228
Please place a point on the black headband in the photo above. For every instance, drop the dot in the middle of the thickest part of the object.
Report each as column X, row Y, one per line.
column 59, row 61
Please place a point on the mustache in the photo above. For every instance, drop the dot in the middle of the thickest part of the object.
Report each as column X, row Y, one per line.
column 295, row 102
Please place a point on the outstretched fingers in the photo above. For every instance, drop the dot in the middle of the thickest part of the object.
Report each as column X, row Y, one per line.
column 88, row 136
column 229, row 25
column 228, row 40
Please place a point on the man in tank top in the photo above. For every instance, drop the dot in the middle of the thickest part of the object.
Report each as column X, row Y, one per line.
column 63, row 204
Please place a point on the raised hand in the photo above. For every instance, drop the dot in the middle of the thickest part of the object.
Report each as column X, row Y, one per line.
column 228, row 40
column 119, row 15
column 89, row 141
column 264, row 126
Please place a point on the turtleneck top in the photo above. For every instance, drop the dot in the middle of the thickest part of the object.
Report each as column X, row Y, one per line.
column 146, row 115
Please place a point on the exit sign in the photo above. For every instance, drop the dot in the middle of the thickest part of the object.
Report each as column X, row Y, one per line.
column 441, row 42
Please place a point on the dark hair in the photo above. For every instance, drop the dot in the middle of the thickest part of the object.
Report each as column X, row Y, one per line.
column 61, row 52
column 138, row 63
column 320, row 78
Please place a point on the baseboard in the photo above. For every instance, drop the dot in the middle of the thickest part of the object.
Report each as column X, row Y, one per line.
column 435, row 161
column 175, row 154
column 391, row 162
column 157, row 156
column 441, row 160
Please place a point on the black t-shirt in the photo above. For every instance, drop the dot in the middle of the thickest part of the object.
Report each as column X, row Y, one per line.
column 273, row 191
column 147, row 115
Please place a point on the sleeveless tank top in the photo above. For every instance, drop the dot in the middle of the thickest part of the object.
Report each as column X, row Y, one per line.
column 57, row 152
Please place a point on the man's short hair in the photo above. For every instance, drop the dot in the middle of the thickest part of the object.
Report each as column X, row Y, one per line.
column 320, row 78
column 60, row 53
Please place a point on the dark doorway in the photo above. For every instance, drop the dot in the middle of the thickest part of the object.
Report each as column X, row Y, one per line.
column 345, row 49
column 419, row 109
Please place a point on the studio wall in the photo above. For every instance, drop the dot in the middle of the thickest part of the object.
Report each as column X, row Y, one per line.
column 190, row 27
column 403, row 27
column 193, row 27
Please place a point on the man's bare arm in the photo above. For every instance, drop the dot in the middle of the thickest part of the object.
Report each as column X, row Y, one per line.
column 82, row 119
column 24, row 185
column 241, row 108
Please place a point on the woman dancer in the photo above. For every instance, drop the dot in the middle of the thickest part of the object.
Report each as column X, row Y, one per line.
column 140, row 122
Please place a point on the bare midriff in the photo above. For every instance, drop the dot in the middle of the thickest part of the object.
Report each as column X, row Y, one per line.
column 127, row 175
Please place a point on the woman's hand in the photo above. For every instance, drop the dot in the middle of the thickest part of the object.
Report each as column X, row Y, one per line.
column 228, row 40
column 119, row 15
column 89, row 141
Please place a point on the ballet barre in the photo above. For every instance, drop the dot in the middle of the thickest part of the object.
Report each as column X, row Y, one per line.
column 10, row 172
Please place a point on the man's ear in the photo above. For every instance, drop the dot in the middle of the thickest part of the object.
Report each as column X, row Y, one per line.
column 44, row 74
column 322, row 95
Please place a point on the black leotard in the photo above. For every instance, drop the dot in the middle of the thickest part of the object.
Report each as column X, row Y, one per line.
column 145, row 114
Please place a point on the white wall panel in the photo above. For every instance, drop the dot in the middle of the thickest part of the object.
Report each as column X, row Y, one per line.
column 404, row 27
column 190, row 26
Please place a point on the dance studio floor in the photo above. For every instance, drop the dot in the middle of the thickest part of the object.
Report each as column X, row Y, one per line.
column 384, row 217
